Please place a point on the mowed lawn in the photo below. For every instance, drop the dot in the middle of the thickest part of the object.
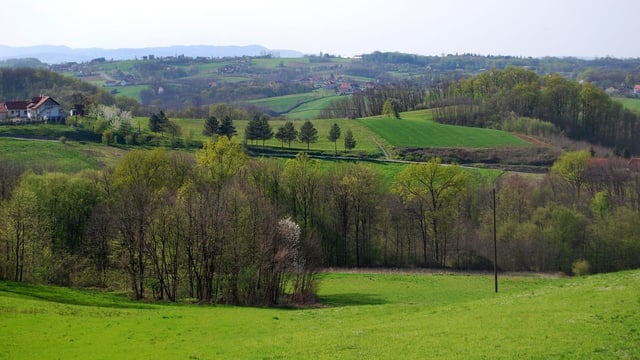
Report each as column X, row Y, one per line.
column 363, row 316
column 417, row 129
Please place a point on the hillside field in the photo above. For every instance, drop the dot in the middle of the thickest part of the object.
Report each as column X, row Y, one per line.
column 417, row 129
column 54, row 155
column 633, row 104
column 361, row 315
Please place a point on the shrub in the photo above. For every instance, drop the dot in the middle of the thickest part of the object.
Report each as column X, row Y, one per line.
column 581, row 268
column 63, row 139
column 129, row 139
column 107, row 137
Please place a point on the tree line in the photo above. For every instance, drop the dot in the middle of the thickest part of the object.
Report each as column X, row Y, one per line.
column 370, row 102
column 580, row 110
column 219, row 227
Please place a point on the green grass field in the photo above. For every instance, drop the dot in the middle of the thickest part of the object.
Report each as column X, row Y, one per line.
column 417, row 129
column 633, row 104
column 363, row 316
column 365, row 144
column 282, row 104
column 54, row 155
column 131, row 91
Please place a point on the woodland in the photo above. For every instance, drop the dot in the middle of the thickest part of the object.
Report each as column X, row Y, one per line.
column 215, row 225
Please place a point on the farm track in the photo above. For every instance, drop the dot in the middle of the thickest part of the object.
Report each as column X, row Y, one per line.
column 382, row 148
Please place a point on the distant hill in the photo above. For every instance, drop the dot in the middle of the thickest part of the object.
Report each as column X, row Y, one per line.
column 60, row 54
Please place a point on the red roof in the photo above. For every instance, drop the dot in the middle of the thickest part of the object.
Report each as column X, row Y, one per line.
column 637, row 87
column 3, row 108
column 16, row 105
column 37, row 101
column 634, row 163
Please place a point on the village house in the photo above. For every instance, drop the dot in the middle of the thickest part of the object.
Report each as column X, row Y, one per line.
column 4, row 113
column 636, row 89
column 39, row 109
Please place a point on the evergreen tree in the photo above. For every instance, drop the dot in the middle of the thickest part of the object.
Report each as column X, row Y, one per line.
column 158, row 122
column 334, row 135
column 287, row 133
column 349, row 141
column 253, row 130
column 308, row 133
column 210, row 126
column 265, row 131
column 226, row 128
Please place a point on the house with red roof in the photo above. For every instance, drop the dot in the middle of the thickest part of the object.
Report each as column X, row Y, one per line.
column 17, row 109
column 636, row 89
column 39, row 109
column 44, row 108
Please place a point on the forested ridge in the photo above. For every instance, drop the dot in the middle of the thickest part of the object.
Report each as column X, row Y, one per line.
column 580, row 110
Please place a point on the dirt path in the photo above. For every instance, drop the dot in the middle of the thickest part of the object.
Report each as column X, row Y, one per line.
column 384, row 150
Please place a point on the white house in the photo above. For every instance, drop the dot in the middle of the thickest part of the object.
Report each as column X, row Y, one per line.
column 16, row 109
column 44, row 108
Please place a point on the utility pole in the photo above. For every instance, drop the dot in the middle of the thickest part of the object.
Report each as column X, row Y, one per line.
column 495, row 243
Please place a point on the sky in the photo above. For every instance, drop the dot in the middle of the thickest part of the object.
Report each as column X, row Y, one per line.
column 582, row 28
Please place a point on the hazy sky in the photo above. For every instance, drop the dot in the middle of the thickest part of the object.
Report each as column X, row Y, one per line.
column 585, row 28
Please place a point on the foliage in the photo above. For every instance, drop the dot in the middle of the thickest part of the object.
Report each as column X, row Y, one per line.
column 334, row 135
column 308, row 133
column 581, row 110
column 287, row 133
column 390, row 108
column 432, row 189
column 227, row 128
column 349, row 141
column 158, row 122
column 210, row 126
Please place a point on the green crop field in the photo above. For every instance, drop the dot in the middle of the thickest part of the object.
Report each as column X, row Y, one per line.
column 131, row 91
column 362, row 316
column 416, row 129
column 363, row 136
column 311, row 109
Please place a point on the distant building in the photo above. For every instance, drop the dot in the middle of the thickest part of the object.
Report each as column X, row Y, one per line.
column 44, row 108
column 17, row 109
column 636, row 89
column 39, row 109
column 4, row 112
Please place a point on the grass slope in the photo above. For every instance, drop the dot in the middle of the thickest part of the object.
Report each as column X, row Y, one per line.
column 417, row 129
column 629, row 103
column 384, row 316
column 54, row 155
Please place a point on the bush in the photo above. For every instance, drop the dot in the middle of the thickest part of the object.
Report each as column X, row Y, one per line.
column 63, row 139
column 581, row 268
column 129, row 139
column 107, row 137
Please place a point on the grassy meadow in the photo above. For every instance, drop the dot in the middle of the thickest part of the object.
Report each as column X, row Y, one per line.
column 629, row 103
column 54, row 155
column 362, row 315
column 417, row 129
